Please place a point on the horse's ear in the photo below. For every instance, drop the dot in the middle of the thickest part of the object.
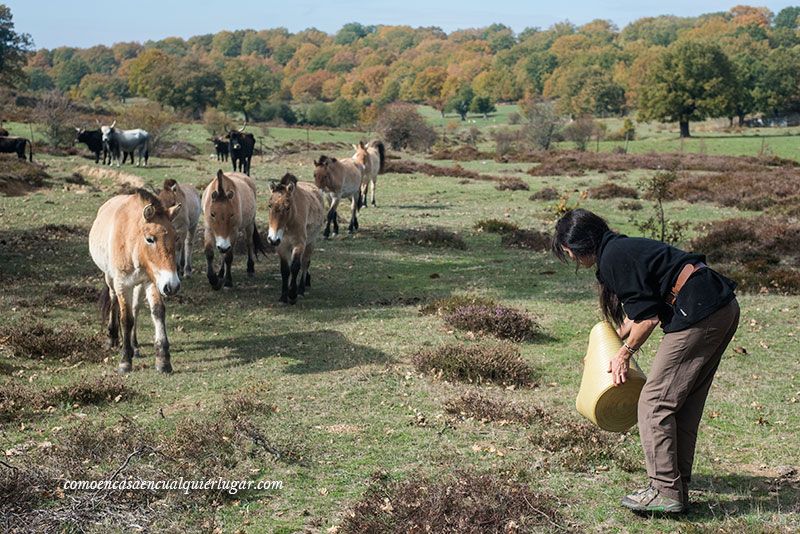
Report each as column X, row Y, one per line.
column 174, row 188
column 290, row 188
column 316, row 163
column 361, row 144
column 355, row 147
column 174, row 210
column 273, row 185
column 149, row 212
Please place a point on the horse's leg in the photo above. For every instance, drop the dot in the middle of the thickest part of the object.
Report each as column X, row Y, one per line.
column 284, row 277
column 187, row 252
column 305, row 278
column 124, row 298
column 353, row 218
column 227, row 267
column 251, row 266
column 208, row 246
column 297, row 259
column 136, row 304
column 373, row 181
column 332, row 217
column 158, row 313
column 113, row 314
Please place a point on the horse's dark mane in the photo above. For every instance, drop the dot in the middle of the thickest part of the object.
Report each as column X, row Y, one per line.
column 169, row 183
column 323, row 159
column 289, row 178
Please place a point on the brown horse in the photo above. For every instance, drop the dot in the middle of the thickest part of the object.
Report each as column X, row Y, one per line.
column 296, row 215
column 229, row 209
column 339, row 179
column 185, row 223
column 373, row 157
column 132, row 241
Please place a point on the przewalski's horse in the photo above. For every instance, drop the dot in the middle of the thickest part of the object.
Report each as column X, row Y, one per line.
column 185, row 223
column 127, row 141
column 373, row 157
column 229, row 209
column 339, row 179
column 132, row 241
column 296, row 215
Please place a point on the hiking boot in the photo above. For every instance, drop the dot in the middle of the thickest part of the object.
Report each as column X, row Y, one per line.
column 651, row 500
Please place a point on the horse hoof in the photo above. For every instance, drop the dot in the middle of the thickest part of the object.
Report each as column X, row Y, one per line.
column 125, row 367
column 163, row 367
column 284, row 299
column 187, row 274
column 137, row 353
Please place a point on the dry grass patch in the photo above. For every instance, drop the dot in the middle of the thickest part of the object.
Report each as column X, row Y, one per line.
column 35, row 340
column 447, row 305
column 548, row 193
column 576, row 163
column 630, row 205
column 528, row 240
column 754, row 189
column 462, row 153
column 434, row 237
column 495, row 226
column 499, row 321
column 483, row 407
column 580, row 446
column 499, row 363
column 456, row 171
column 465, row 501
column 610, row 190
column 761, row 254
column 18, row 176
column 512, row 184
column 97, row 390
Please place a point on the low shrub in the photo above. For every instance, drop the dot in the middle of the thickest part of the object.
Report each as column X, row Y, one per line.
column 495, row 226
column 499, row 363
column 434, row 237
column 528, row 240
column 480, row 406
column 499, row 321
column 548, row 193
column 610, row 190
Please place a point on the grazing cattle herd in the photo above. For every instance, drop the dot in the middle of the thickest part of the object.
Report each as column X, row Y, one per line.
column 142, row 242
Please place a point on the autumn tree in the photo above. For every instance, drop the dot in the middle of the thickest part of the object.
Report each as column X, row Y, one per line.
column 690, row 81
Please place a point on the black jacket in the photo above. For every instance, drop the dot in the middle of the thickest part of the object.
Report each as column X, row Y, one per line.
column 641, row 272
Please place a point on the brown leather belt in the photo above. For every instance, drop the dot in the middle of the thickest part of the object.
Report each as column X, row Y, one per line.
column 688, row 270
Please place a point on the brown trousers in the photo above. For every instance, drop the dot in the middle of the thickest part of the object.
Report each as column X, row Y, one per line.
column 672, row 400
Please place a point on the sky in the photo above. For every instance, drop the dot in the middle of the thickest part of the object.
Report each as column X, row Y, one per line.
column 84, row 23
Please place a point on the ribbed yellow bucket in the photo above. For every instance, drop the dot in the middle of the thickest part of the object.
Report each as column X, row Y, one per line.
column 611, row 408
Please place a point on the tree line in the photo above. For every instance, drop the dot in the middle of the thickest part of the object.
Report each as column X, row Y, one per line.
column 674, row 69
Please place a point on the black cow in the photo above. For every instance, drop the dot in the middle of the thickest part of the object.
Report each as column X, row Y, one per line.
column 222, row 147
column 241, row 147
column 16, row 144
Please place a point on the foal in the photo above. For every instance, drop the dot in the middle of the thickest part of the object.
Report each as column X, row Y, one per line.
column 185, row 223
column 132, row 241
column 296, row 214
column 373, row 157
column 339, row 179
column 229, row 209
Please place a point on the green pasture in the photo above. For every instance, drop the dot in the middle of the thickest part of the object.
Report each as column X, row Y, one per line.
column 337, row 364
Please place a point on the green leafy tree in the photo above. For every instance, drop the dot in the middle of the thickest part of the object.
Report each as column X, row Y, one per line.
column 482, row 105
column 460, row 102
column 39, row 79
column 13, row 47
column 344, row 112
column 252, row 43
column 690, row 81
column 246, row 86
column 787, row 18
column 70, row 72
column 229, row 44
column 352, row 32
column 778, row 89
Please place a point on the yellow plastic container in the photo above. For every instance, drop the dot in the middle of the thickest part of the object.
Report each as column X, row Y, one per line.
column 611, row 408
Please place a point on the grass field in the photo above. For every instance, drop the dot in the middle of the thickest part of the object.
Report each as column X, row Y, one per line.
column 334, row 372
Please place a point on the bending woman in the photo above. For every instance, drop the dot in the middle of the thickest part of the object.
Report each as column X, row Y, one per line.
column 644, row 283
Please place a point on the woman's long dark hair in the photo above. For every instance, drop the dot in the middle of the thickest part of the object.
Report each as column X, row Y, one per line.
column 582, row 231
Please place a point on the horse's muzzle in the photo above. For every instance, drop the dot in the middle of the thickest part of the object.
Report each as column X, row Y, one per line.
column 171, row 289
column 274, row 242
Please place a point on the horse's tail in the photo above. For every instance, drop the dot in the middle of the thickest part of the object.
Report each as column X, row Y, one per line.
column 258, row 244
column 30, row 150
column 382, row 153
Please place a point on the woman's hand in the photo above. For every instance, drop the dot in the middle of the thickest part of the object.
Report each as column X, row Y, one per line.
column 618, row 366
